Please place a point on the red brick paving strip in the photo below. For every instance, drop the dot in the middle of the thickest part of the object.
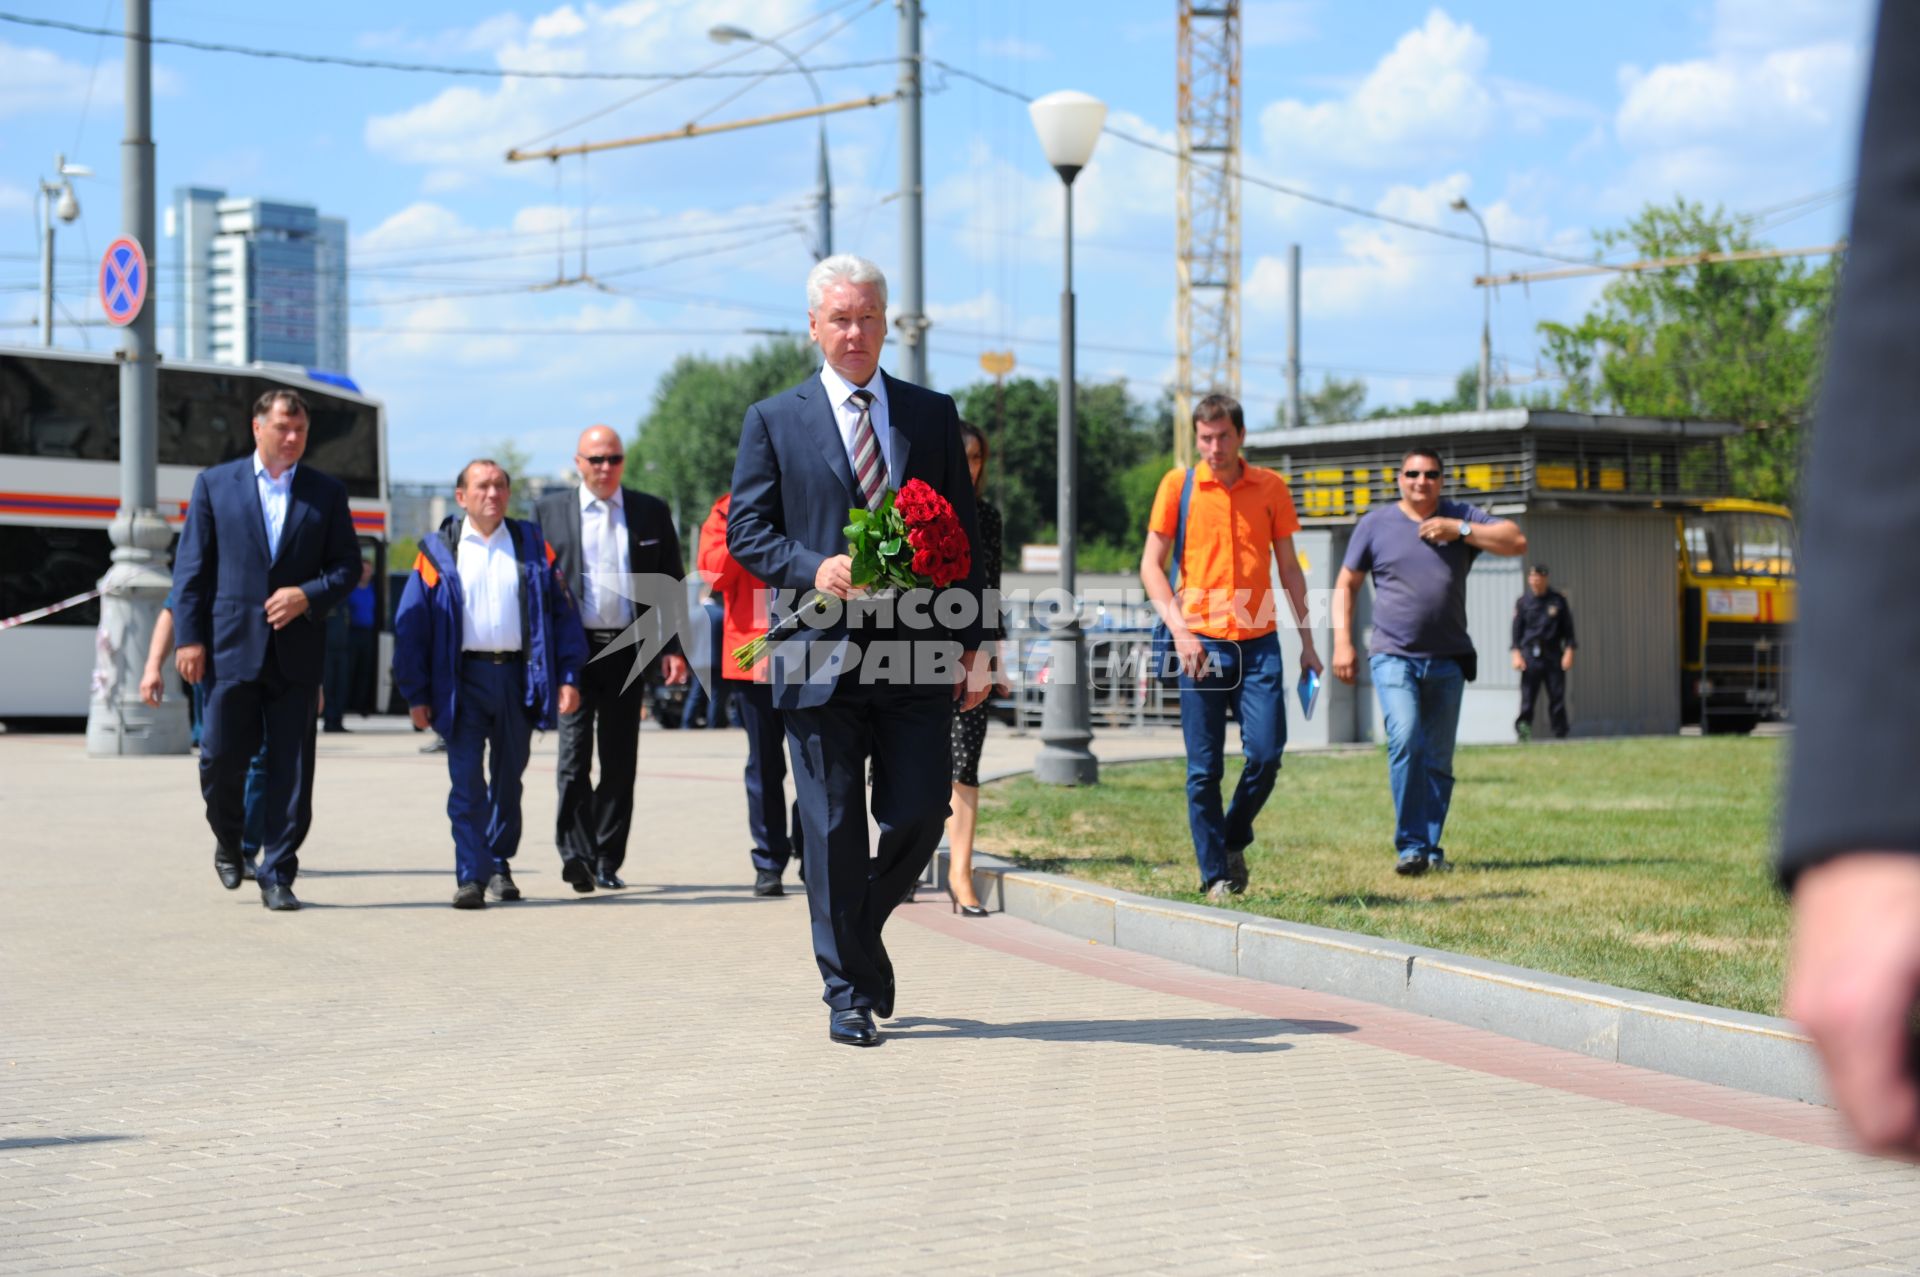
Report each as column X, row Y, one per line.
column 1403, row 1032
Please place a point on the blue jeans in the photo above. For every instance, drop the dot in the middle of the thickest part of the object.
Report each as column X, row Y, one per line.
column 1245, row 675
column 1420, row 699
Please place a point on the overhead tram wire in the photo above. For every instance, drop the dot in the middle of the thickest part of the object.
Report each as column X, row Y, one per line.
column 709, row 71
column 430, row 68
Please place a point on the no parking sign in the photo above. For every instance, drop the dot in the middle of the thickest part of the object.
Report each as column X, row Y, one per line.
column 123, row 281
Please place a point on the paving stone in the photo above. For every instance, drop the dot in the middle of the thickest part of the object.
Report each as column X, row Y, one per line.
column 641, row 1081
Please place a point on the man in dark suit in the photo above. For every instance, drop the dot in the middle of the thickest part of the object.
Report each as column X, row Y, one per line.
column 868, row 690
column 267, row 550
column 606, row 540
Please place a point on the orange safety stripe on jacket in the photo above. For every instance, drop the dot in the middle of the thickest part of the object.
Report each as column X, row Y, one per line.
column 424, row 566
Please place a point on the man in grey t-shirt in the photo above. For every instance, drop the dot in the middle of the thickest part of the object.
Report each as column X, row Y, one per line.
column 1418, row 552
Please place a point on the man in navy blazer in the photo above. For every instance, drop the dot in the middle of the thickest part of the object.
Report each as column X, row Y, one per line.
column 267, row 549
column 873, row 688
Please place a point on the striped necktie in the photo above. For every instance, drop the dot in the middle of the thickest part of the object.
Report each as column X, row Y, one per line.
column 869, row 467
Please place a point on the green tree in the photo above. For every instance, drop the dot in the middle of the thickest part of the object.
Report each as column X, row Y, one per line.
column 684, row 450
column 1114, row 433
column 1335, row 401
column 1725, row 341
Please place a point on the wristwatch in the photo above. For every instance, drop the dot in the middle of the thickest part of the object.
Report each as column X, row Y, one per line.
column 1466, row 529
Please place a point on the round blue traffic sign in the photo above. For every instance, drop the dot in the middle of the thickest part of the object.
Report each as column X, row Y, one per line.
column 123, row 281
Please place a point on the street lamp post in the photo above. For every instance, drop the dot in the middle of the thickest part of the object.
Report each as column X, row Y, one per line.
column 1460, row 205
column 1069, row 125
column 727, row 33
column 55, row 197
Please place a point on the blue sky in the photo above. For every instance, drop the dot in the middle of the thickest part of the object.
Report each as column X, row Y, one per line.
column 1553, row 120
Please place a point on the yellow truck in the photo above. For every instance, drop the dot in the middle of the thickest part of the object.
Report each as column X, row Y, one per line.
column 1737, row 601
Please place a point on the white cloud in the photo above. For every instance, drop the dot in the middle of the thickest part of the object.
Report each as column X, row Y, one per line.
column 1427, row 95
column 1735, row 97
column 462, row 134
column 1385, row 269
column 14, row 198
column 39, row 81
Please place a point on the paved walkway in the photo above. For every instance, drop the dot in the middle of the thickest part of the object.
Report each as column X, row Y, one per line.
column 642, row 1081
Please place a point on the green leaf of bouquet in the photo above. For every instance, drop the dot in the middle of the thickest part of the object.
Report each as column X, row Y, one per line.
column 890, row 547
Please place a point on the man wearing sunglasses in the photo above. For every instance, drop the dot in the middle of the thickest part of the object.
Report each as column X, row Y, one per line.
column 603, row 537
column 1418, row 552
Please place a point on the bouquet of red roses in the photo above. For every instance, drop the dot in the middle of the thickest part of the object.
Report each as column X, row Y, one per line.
column 912, row 541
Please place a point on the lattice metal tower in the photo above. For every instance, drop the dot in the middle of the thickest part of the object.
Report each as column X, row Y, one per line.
column 1209, row 211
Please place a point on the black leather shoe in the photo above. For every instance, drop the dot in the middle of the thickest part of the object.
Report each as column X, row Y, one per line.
column 278, row 896
column 610, row 880
column 251, row 871
column 578, row 876
column 500, row 887
column 470, row 895
column 854, row 1027
column 1237, row 877
column 766, row 882
column 230, row 868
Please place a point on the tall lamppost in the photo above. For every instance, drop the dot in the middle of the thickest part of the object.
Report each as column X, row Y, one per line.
column 55, row 197
column 727, row 33
column 1069, row 125
column 1460, row 205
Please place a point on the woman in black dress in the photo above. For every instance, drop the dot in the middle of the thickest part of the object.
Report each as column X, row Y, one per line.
column 970, row 728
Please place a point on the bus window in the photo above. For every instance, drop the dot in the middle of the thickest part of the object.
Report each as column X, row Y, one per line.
column 59, row 408
column 42, row 565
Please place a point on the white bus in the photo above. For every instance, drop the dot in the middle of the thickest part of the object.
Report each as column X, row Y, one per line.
column 60, row 486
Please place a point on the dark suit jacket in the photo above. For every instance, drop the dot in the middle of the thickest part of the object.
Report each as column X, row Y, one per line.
column 1856, row 700
column 653, row 549
column 222, row 575
column 793, row 486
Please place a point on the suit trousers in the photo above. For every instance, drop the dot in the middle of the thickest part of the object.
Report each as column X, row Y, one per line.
column 595, row 819
column 487, row 751
column 245, row 717
column 853, row 888
column 766, row 776
column 1554, row 679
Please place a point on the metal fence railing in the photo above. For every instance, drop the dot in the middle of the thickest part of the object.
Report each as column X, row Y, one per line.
column 1122, row 691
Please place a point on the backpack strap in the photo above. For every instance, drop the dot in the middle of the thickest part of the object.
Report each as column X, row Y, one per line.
column 1180, row 531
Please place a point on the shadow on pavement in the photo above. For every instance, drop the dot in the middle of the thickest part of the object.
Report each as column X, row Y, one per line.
column 55, row 1141
column 1196, row 1034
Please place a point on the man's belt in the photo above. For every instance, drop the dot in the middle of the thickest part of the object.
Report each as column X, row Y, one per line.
column 494, row 658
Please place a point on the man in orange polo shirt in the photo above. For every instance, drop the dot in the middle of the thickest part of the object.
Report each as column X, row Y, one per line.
column 1240, row 521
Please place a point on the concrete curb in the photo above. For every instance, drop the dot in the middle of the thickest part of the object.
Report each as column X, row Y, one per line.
column 1757, row 1053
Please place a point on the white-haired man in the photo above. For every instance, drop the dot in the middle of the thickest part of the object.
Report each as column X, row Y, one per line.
column 842, row 439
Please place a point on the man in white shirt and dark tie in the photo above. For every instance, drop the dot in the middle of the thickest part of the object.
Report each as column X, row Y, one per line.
column 609, row 541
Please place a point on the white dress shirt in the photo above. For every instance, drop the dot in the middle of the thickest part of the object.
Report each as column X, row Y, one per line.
column 489, row 590
column 606, row 557
column 846, row 414
column 274, row 495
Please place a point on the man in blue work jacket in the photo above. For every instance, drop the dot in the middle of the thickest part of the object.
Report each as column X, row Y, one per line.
column 487, row 646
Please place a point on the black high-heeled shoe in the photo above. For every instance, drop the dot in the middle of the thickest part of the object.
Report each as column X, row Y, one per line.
column 968, row 911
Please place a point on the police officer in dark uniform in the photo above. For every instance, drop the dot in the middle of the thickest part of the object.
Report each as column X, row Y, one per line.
column 1542, row 650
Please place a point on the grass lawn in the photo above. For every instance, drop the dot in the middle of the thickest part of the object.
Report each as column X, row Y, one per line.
column 1640, row 863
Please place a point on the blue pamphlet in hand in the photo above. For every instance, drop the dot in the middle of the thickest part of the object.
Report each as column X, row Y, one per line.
column 1309, row 692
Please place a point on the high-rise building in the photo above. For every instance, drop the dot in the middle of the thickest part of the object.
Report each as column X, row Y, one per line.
column 260, row 281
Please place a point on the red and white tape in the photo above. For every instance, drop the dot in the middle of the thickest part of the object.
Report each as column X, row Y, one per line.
column 48, row 610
